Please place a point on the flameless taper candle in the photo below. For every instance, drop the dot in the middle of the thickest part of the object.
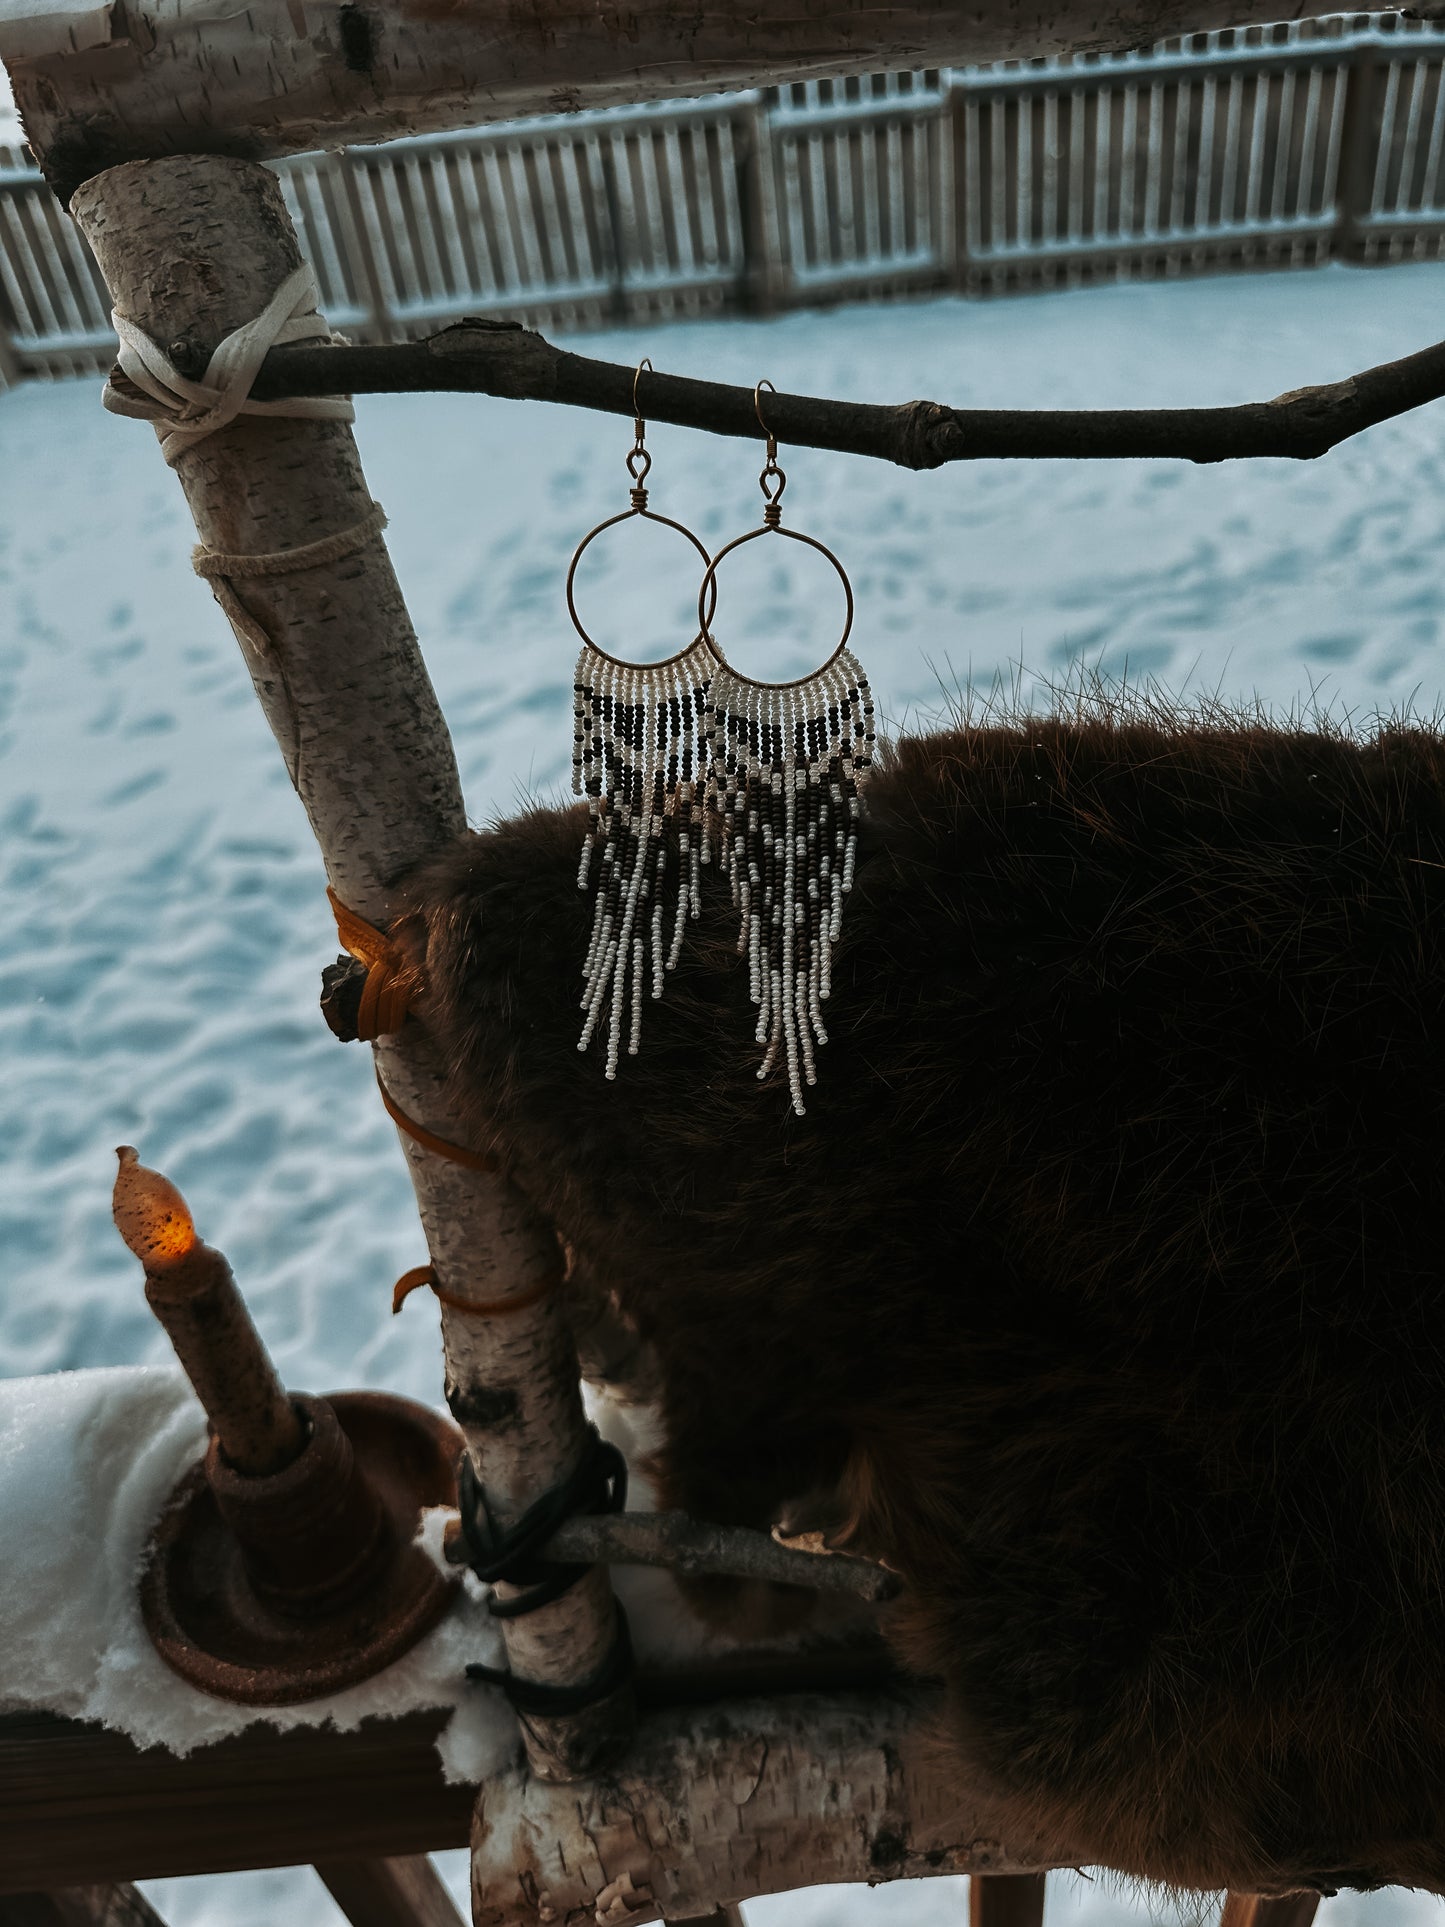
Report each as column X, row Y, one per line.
column 190, row 1289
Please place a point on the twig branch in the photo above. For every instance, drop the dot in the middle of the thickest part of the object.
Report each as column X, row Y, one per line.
column 500, row 358
column 679, row 1544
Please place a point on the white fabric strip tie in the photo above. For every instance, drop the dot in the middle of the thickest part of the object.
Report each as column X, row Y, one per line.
column 186, row 412
column 218, row 568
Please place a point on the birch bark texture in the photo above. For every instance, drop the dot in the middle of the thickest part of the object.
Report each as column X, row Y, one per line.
column 722, row 1803
column 191, row 248
column 98, row 84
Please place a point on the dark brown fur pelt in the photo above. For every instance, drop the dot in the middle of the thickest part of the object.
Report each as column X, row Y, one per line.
column 1102, row 1276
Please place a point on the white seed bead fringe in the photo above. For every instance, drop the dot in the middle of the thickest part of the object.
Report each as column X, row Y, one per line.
column 787, row 767
column 639, row 756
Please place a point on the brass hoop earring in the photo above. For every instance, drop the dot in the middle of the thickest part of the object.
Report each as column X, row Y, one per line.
column 640, row 746
column 789, row 760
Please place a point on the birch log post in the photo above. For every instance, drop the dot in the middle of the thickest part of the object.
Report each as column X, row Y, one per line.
column 192, row 248
column 98, row 82
column 712, row 1805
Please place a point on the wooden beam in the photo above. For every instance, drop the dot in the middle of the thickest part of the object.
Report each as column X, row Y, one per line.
column 1008, row 1900
column 106, row 1905
column 401, row 1892
column 756, row 1797
column 81, row 1803
column 84, row 1804
column 1269, row 1910
column 98, row 83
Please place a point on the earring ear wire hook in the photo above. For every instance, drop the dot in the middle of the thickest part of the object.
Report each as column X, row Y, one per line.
column 758, row 411
column 772, row 481
column 637, row 420
column 638, row 460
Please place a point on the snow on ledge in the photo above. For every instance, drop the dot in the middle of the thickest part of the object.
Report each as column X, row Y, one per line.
column 87, row 1461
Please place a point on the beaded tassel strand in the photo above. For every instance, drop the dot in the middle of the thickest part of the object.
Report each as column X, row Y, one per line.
column 639, row 749
column 788, row 764
column 638, row 759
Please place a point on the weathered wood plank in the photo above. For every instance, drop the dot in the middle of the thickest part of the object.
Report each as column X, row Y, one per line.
column 400, row 1892
column 117, row 1905
column 98, row 84
column 83, row 1805
column 1269, row 1910
column 1008, row 1900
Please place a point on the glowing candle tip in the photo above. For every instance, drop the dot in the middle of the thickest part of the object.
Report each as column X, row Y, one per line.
column 150, row 1214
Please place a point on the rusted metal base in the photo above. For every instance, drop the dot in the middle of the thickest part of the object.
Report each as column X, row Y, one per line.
column 216, row 1593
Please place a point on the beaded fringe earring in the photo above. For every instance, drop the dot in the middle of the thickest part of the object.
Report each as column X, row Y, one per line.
column 788, row 762
column 639, row 755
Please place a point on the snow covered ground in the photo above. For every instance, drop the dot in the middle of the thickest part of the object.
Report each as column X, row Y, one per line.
column 165, row 920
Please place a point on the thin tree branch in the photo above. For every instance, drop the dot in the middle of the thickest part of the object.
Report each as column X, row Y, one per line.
column 500, row 358
column 679, row 1544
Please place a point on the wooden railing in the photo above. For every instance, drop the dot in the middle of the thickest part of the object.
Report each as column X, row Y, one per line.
column 1279, row 145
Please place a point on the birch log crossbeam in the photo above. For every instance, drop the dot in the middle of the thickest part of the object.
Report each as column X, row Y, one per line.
column 721, row 1804
column 104, row 81
column 500, row 358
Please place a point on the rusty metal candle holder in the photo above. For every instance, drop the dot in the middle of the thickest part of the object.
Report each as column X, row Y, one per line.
column 284, row 1567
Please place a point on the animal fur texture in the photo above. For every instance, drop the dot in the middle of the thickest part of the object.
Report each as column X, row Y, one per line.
column 1102, row 1278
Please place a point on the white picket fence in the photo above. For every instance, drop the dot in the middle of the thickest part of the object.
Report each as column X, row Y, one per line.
column 1279, row 145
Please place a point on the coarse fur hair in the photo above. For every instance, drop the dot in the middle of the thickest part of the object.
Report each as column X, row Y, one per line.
column 1102, row 1278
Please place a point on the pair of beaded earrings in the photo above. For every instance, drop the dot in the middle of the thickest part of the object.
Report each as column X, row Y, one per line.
column 687, row 757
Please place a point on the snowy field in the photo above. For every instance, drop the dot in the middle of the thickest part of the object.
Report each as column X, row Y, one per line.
column 164, row 915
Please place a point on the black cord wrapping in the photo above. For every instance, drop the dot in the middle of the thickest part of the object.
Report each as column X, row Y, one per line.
column 512, row 1555
column 554, row 1702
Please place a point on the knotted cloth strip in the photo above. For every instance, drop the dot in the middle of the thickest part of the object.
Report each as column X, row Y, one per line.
column 186, row 412
column 386, row 993
column 385, row 997
column 218, row 568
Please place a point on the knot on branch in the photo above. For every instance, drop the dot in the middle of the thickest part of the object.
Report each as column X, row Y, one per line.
column 1319, row 416
column 1323, row 395
column 520, row 364
column 929, row 434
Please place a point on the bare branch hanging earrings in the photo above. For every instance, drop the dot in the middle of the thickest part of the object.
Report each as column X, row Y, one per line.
column 788, row 761
column 639, row 755
column 671, row 753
